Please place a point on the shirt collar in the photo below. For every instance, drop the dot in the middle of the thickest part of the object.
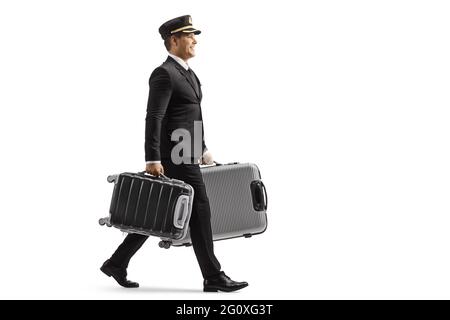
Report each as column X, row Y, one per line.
column 180, row 61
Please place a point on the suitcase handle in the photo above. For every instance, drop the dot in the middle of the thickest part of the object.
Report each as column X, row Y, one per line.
column 161, row 176
column 214, row 164
column 259, row 195
column 181, row 211
column 217, row 164
column 265, row 195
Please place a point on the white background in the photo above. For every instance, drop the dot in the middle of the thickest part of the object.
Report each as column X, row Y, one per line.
column 344, row 106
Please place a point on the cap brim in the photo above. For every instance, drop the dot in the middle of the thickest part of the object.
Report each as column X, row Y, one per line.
column 191, row 30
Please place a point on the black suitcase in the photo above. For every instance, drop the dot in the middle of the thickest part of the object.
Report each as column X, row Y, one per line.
column 149, row 205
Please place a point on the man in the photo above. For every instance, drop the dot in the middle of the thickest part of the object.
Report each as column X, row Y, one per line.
column 174, row 104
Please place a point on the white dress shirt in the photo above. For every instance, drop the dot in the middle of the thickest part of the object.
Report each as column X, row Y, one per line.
column 180, row 61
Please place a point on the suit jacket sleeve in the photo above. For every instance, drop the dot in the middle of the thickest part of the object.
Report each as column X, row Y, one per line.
column 158, row 100
column 204, row 149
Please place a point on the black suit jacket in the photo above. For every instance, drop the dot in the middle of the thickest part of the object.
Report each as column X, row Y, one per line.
column 173, row 103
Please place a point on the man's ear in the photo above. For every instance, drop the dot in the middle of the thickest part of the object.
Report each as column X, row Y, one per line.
column 173, row 41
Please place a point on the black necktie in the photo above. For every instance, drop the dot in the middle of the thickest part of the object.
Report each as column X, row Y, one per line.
column 194, row 80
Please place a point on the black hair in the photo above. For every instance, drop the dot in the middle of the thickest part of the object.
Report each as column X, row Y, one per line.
column 167, row 40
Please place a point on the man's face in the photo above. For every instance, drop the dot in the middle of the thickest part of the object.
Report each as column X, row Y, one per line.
column 185, row 46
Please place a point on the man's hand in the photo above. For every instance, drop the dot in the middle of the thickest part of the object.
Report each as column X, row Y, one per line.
column 155, row 169
column 207, row 158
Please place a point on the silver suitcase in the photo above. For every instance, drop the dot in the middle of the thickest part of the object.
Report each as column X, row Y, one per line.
column 238, row 201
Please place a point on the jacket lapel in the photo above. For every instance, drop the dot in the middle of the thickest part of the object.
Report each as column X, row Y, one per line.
column 188, row 78
column 199, row 86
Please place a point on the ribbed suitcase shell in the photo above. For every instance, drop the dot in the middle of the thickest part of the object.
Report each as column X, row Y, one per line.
column 234, row 212
column 151, row 205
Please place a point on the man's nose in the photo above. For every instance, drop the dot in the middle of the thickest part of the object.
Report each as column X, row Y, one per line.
column 195, row 40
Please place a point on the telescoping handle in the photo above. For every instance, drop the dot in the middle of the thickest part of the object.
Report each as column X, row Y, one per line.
column 181, row 211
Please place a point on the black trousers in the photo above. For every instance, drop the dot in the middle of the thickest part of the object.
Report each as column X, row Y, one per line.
column 200, row 223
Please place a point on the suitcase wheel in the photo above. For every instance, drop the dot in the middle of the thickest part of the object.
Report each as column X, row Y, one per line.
column 164, row 244
column 112, row 178
column 103, row 221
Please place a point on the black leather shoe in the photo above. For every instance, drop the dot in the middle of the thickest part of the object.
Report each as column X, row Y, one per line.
column 119, row 274
column 223, row 283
